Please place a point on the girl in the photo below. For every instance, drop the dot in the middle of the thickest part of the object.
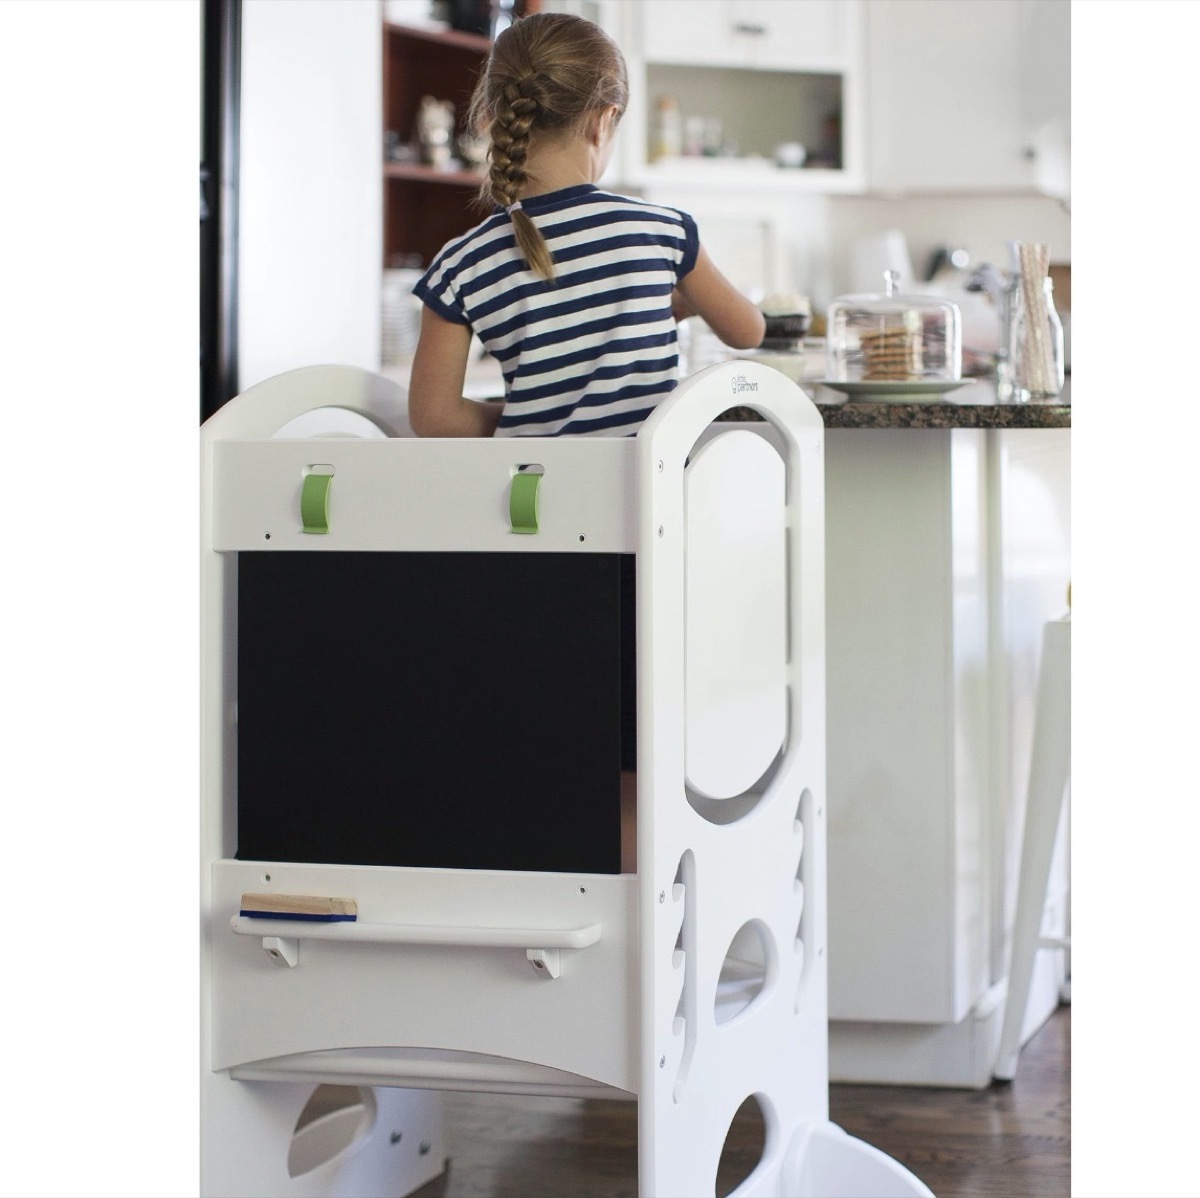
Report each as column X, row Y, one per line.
column 574, row 290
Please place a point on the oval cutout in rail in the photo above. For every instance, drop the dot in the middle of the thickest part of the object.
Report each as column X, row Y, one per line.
column 735, row 614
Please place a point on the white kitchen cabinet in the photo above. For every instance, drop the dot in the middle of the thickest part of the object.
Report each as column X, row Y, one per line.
column 802, row 34
column 766, row 72
column 946, row 552
column 969, row 95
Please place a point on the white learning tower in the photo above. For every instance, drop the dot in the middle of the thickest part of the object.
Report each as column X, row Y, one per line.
column 411, row 862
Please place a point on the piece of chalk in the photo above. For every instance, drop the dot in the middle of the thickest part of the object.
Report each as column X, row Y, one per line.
column 312, row 907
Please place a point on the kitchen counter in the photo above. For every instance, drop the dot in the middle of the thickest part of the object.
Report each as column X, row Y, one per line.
column 973, row 406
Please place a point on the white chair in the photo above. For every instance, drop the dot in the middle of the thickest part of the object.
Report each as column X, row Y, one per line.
column 536, row 966
column 1049, row 776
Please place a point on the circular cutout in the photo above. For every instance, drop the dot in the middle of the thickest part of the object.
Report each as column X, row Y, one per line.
column 334, row 1118
column 748, row 967
column 744, row 1148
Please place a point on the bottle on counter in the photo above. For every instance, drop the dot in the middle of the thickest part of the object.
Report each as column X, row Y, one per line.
column 1036, row 366
column 668, row 130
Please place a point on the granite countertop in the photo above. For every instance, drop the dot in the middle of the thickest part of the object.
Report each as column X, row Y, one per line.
column 976, row 409
column 974, row 405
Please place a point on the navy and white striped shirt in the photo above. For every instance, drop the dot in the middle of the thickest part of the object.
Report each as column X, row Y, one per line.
column 594, row 351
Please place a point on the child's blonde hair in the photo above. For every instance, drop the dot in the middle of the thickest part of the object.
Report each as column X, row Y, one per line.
column 547, row 73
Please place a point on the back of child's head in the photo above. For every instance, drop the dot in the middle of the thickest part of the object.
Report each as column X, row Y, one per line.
column 548, row 74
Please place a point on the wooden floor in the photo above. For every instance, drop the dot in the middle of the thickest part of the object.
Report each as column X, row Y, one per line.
column 1009, row 1141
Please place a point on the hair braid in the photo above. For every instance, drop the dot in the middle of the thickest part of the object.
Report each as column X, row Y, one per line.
column 515, row 114
column 516, row 111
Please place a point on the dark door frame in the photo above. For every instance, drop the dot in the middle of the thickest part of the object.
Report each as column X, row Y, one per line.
column 220, row 135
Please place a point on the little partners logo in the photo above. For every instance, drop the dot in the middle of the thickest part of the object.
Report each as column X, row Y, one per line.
column 742, row 383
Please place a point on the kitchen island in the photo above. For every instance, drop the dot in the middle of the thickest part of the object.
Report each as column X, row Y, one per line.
column 947, row 549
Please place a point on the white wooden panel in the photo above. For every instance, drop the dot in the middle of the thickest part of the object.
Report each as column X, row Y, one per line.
column 474, row 1000
column 735, row 613
column 713, row 878
column 405, row 494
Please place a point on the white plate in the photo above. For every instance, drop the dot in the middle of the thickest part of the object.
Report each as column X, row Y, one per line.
column 916, row 391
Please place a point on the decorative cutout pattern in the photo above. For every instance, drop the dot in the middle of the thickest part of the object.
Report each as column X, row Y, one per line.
column 683, row 960
column 802, row 826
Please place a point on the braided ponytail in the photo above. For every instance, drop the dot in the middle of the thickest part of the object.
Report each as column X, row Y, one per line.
column 547, row 73
column 514, row 115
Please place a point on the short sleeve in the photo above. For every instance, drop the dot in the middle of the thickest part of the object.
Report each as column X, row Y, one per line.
column 436, row 290
column 691, row 247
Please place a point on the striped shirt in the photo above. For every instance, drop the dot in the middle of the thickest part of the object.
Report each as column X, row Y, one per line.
column 593, row 351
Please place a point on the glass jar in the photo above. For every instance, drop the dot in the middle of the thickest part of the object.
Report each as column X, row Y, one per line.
column 893, row 338
column 1036, row 367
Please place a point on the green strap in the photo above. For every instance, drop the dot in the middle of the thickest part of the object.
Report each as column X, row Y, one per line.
column 522, row 502
column 314, row 502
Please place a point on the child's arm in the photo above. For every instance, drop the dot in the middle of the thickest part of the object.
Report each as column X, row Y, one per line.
column 706, row 292
column 436, row 407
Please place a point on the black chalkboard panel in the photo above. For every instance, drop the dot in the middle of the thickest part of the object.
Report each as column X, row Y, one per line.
column 455, row 710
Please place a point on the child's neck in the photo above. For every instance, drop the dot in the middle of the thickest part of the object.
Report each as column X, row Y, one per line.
column 565, row 162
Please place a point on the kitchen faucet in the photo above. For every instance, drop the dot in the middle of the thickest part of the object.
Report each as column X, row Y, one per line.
column 999, row 287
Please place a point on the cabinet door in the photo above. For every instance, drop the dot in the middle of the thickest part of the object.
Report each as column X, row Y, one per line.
column 802, row 34
column 684, row 31
column 946, row 110
column 797, row 35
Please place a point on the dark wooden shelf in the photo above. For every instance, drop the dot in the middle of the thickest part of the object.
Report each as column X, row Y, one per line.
column 473, row 43
column 418, row 172
column 424, row 207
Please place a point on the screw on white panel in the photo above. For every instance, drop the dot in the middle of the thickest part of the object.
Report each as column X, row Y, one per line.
column 660, row 530
column 660, row 467
column 662, row 1062
column 662, row 896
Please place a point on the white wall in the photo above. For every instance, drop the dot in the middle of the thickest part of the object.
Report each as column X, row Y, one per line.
column 311, row 207
column 983, row 225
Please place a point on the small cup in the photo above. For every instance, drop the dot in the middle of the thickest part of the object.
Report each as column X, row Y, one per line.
column 790, row 155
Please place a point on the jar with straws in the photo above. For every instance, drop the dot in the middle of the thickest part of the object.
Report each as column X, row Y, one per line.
column 1036, row 362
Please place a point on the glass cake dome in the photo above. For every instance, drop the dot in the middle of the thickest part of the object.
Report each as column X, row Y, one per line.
column 893, row 338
